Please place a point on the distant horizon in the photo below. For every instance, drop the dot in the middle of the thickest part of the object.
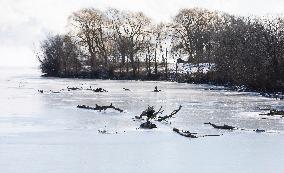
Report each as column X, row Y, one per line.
column 24, row 24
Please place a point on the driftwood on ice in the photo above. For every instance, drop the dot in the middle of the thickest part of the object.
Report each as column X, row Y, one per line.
column 100, row 108
column 160, row 118
column 225, row 126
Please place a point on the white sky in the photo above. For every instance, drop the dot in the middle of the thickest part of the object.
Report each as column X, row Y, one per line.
column 24, row 23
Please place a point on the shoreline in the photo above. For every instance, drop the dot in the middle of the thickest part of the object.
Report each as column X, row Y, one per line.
column 226, row 86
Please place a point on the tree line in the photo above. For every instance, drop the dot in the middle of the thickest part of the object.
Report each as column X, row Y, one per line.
column 117, row 44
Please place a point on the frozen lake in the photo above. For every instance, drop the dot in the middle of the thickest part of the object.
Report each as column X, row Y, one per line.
column 46, row 133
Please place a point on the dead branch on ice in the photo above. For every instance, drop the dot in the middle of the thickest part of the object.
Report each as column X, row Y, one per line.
column 160, row 118
column 100, row 108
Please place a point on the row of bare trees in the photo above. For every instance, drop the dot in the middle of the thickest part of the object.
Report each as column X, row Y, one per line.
column 117, row 44
column 113, row 40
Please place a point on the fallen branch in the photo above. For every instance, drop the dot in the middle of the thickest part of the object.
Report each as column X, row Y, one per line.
column 99, row 108
column 126, row 89
column 185, row 133
column 225, row 126
column 40, row 91
column 160, row 118
column 50, row 91
column 259, row 130
column 99, row 90
column 55, row 92
column 156, row 89
column 150, row 113
column 211, row 135
column 148, row 125
column 189, row 134
column 73, row 88
column 274, row 112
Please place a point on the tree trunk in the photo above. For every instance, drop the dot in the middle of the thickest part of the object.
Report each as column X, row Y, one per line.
column 155, row 59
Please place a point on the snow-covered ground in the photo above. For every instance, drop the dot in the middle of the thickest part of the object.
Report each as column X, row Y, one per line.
column 189, row 68
column 46, row 133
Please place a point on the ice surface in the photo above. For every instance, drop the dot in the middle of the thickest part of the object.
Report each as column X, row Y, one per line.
column 47, row 133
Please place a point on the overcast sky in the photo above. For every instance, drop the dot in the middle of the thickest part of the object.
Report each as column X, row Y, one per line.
column 24, row 23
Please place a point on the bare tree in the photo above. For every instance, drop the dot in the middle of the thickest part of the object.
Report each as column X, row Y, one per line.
column 59, row 56
column 91, row 27
column 192, row 32
column 131, row 30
